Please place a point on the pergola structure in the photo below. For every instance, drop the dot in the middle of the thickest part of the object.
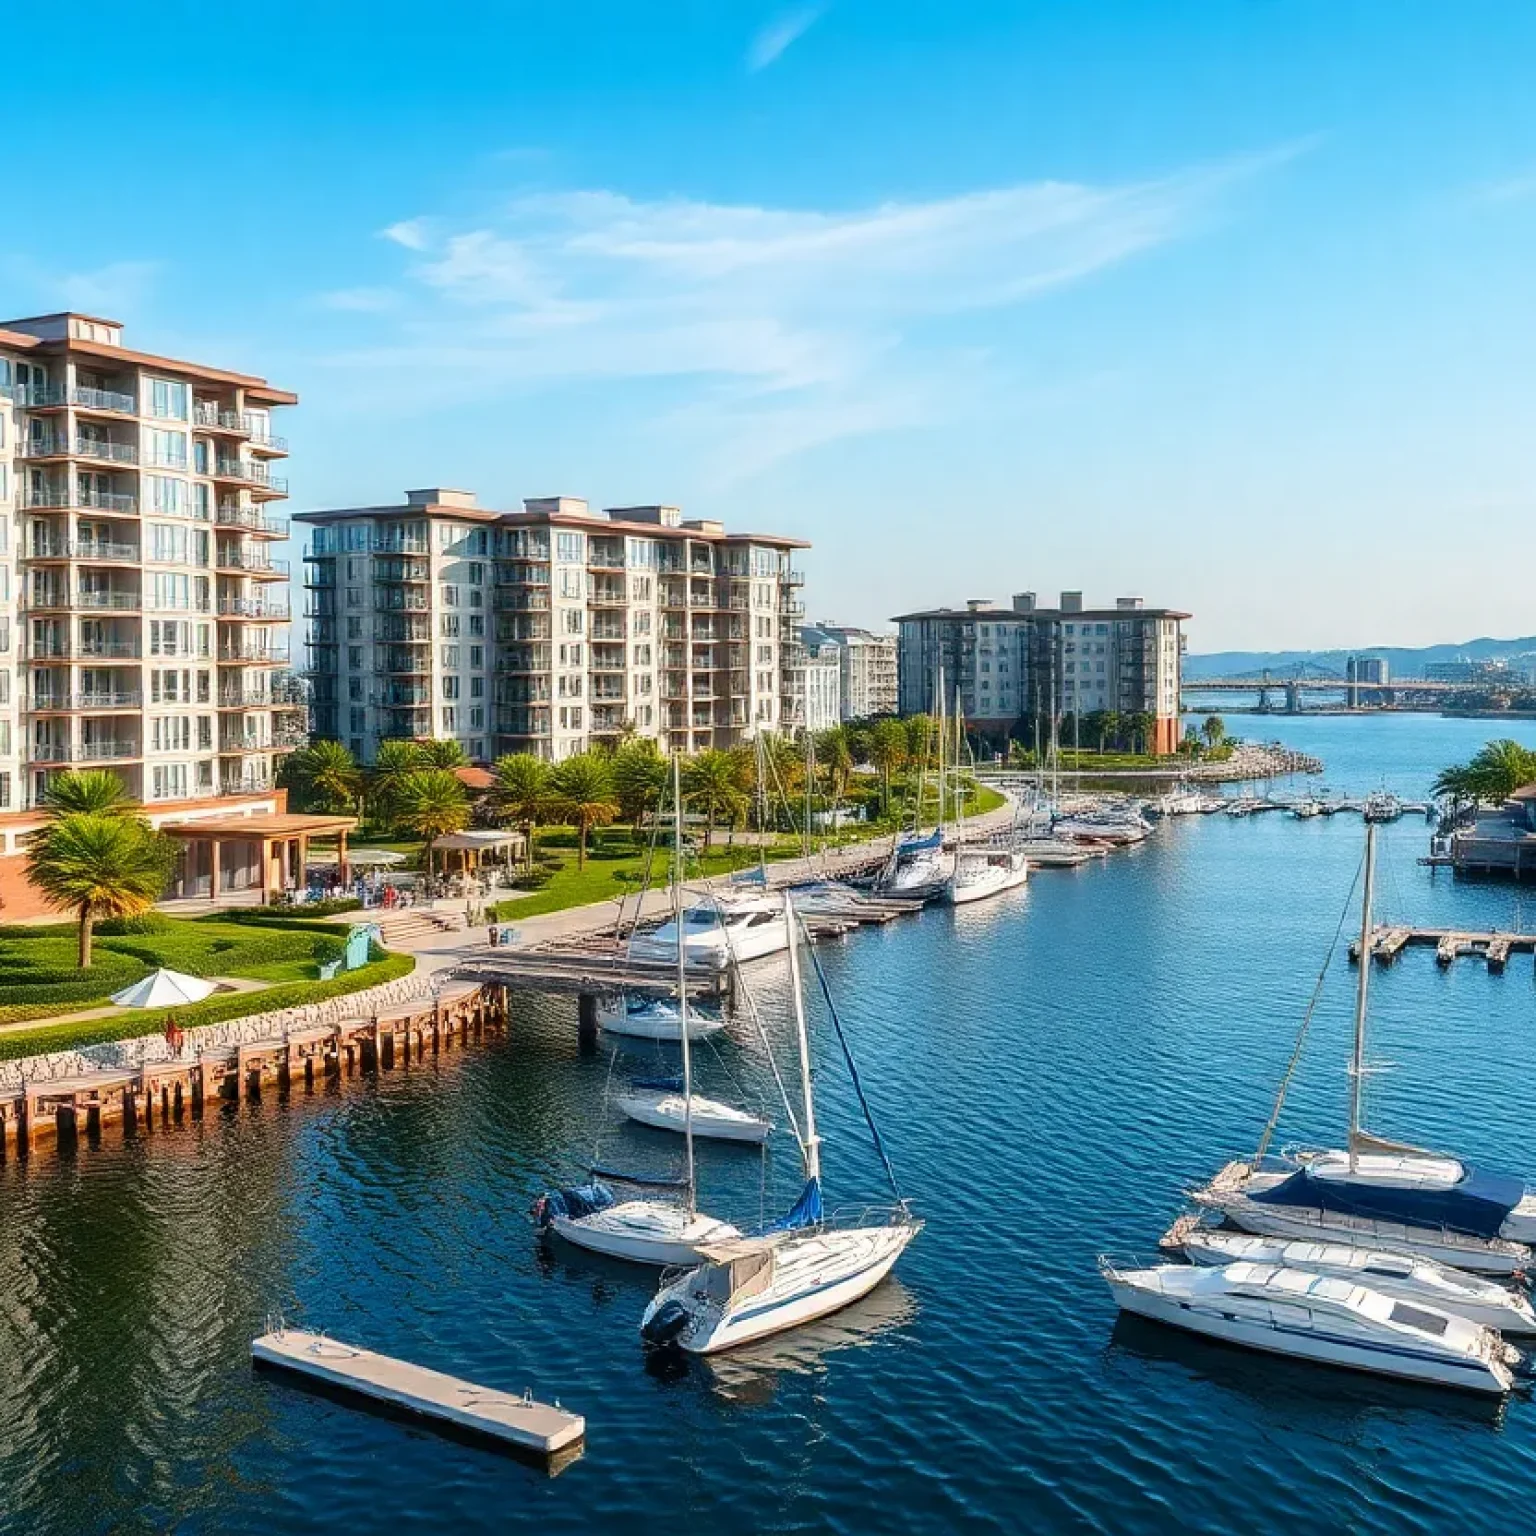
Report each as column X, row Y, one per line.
column 471, row 846
column 265, row 851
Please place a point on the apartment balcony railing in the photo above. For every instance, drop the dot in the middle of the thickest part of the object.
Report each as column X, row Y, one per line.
column 407, row 727
column 408, row 660
column 399, row 568
column 122, row 698
column 115, row 401
column 524, row 602
column 403, row 631
column 77, row 448
column 246, row 784
column 230, row 744
column 611, row 690
column 81, row 549
column 82, row 751
column 259, row 564
column 212, row 419
column 287, row 736
column 603, row 664
column 249, row 474
column 608, row 634
column 790, row 609
column 230, row 514
column 604, row 562
column 608, row 595
column 516, row 722
column 273, row 655
column 253, row 608
column 394, row 546
column 794, row 578
column 524, row 658
column 533, row 691
column 409, row 697
column 111, row 602
column 43, row 498
column 244, row 698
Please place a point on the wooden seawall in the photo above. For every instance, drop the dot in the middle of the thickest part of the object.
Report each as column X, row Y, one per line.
column 159, row 1092
column 1495, row 946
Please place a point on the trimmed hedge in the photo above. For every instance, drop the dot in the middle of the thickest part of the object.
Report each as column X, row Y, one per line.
column 329, row 908
column 232, row 1005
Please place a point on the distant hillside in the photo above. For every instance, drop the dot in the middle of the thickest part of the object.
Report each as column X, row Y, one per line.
column 1403, row 661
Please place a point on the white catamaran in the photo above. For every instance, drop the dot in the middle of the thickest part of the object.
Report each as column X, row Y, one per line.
column 750, row 1287
column 1377, row 1193
column 647, row 1231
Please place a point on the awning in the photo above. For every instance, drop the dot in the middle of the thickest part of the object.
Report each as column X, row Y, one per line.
column 360, row 858
column 479, row 842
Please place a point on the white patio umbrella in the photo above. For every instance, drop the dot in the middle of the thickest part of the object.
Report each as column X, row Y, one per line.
column 361, row 858
column 163, row 989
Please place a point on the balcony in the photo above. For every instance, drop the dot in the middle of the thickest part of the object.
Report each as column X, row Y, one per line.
column 406, row 696
column 230, row 514
column 261, row 609
column 244, row 698
column 231, row 744
column 523, row 722
column 395, row 569
column 397, row 545
column 608, row 594
column 246, row 784
column 99, row 448
column 81, row 549
column 524, row 602
column 82, row 752
column 794, row 578
column 103, row 402
column 258, row 564
column 608, row 634
column 599, row 561
column 274, row 655
column 789, row 609
column 54, row 703
column 286, row 736
column 257, row 476
column 608, row 690
column 403, row 631
column 408, row 660
column 604, row 664
column 47, row 497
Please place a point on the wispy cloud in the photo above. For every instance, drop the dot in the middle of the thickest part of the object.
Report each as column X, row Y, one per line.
column 769, row 44
column 1512, row 189
column 783, row 328
column 364, row 301
column 117, row 289
column 413, row 234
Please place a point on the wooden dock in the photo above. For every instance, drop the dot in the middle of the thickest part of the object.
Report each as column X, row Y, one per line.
column 519, row 1422
column 1450, row 944
column 160, row 1092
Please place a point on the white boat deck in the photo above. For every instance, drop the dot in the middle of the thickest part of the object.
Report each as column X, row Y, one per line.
column 517, row 1421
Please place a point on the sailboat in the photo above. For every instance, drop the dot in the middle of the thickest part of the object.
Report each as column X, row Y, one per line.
column 1379, row 1193
column 751, row 1287
column 657, row 1231
column 919, row 866
column 981, row 869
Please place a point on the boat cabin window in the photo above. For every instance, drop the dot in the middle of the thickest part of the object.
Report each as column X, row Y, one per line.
column 701, row 917
column 1417, row 1317
column 1389, row 1266
column 759, row 918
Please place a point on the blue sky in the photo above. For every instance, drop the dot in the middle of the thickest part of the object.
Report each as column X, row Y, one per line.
column 1226, row 304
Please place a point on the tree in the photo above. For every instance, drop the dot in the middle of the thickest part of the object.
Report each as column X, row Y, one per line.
column 443, row 754
column 639, row 779
column 920, row 736
column 431, row 803
column 583, row 787
column 394, row 762
column 1496, row 771
column 712, row 785
column 522, row 795
column 835, row 760
column 90, row 792
column 1190, row 745
column 99, row 864
column 888, row 754
column 1214, row 730
column 1141, row 727
column 324, row 776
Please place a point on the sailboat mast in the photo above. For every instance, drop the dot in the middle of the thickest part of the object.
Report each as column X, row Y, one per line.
column 682, row 970
column 1357, row 1062
column 943, row 746
column 812, row 1141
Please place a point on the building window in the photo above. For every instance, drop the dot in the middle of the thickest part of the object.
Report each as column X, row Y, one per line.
column 477, row 656
column 167, row 399
column 450, row 687
column 168, row 448
column 571, row 547
column 450, row 718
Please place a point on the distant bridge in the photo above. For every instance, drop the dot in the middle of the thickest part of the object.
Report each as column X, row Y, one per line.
column 1307, row 677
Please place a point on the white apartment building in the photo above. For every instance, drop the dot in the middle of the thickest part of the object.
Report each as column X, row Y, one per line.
column 867, row 686
column 823, row 680
column 1006, row 664
column 546, row 629
column 142, row 615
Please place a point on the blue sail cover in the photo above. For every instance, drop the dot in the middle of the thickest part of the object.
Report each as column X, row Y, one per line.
column 758, row 876
column 921, row 844
column 1476, row 1204
column 805, row 1212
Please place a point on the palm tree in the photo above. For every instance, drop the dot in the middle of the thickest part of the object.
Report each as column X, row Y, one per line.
column 1496, row 771
column 522, row 794
column 712, row 785
column 431, row 803
column 835, row 758
column 583, row 787
column 888, row 754
column 99, row 864
column 639, row 778
column 443, row 754
column 91, row 792
column 324, row 775
column 392, row 764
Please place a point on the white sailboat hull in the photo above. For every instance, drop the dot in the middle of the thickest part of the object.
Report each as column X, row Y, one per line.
column 644, row 1232
column 976, row 881
column 717, row 1122
column 660, row 1022
column 816, row 1275
column 1305, row 1343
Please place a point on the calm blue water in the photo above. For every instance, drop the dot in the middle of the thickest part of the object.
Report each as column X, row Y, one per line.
column 1052, row 1072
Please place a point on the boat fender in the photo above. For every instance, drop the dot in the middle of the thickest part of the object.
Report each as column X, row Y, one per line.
column 667, row 1323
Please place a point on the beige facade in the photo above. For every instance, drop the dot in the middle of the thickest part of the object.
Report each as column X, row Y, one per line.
column 546, row 629
column 139, row 596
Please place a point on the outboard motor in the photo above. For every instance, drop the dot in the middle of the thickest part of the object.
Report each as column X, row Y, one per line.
column 667, row 1324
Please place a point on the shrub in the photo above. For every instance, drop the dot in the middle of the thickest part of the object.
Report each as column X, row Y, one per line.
column 309, row 909
column 145, row 922
column 215, row 1010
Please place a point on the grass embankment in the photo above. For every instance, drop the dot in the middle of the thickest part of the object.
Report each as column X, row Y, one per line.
column 39, row 977
column 230, row 1005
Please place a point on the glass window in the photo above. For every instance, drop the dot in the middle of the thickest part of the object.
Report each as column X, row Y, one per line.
column 167, row 399
column 167, row 448
column 571, row 547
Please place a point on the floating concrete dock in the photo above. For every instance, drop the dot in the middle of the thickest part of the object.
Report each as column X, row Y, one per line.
column 1450, row 944
column 516, row 1421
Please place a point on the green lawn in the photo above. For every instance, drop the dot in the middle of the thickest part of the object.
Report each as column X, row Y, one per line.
column 39, row 975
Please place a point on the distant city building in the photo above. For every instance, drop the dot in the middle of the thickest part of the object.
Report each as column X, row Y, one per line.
column 1009, row 665
column 1492, row 673
column 868, row 665
column 547, row 629
column 823, row 680
column 1365, row 669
